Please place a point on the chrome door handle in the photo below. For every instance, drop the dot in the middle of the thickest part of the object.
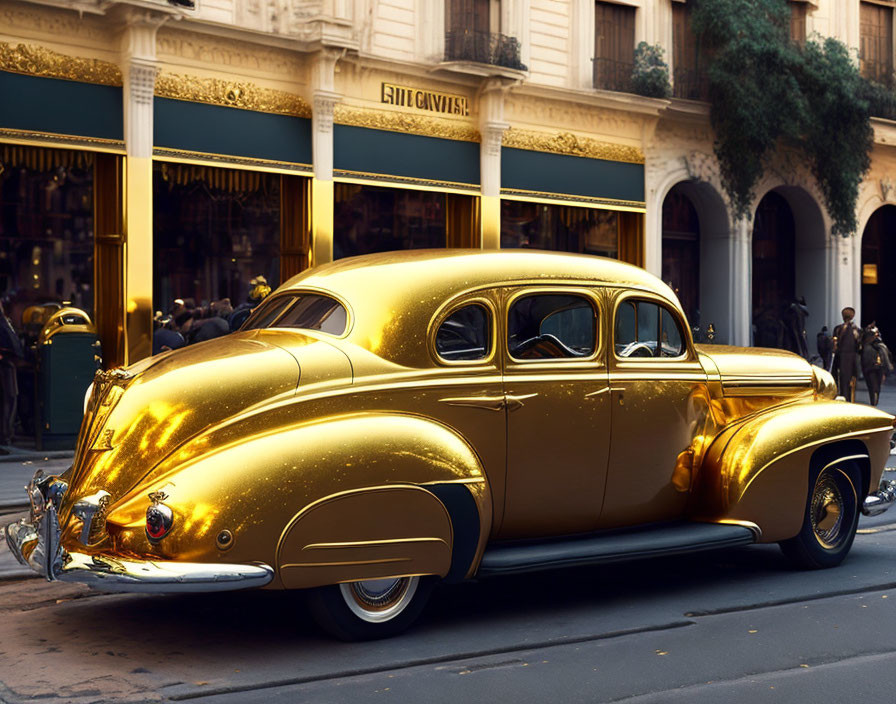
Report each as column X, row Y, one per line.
column 514, row 403
column 490, row 403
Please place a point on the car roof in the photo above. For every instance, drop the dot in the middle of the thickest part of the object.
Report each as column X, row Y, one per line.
column 465, row 269
column 393, row 296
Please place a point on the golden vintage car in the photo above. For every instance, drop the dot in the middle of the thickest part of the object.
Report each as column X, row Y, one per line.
column 384, row 422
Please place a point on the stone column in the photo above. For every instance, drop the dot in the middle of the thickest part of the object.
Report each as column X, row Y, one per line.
column 491, row 128
column 741, row 293
column 845, row 281
column 138, row 67
column 323, row 99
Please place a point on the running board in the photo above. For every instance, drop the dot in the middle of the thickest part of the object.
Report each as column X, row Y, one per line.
column 616, row 546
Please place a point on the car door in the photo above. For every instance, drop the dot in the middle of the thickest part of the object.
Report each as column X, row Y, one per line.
column 465, row 391
column 558, row 411
column 659, row 410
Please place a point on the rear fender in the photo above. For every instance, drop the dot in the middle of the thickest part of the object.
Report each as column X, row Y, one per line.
column 334, row 500
column 758, row 471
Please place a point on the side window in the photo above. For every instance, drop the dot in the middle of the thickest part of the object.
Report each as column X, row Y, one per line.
column 551, row 325
column 465, row 335
column 646, row 329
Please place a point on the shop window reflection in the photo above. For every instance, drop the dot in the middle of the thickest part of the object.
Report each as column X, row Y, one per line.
column 46, row 230
column 371, row 219
column 214, row 231
column 559, row 228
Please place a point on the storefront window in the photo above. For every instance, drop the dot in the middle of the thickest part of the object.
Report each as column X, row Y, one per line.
column 46, row 231
column 559, row 228
column 375, row 219
column 214, row 231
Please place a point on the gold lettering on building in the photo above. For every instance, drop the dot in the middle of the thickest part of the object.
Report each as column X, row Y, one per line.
column 404, row 97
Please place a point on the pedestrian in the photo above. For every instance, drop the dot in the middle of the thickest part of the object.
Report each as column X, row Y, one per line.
column 10, row 352
column 876, row 362
column 825, row 346
column 258, row 291
column 847, row 346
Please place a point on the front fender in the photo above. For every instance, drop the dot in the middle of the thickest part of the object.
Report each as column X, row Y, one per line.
column 758, row 470
column 372, row 480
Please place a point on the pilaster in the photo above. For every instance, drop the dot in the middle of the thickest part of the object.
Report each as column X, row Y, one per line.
column 139, row 67
column 491, row 127
column 324, row 99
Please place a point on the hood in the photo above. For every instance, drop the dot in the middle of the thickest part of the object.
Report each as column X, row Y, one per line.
column 749, row 371
column 138, row 416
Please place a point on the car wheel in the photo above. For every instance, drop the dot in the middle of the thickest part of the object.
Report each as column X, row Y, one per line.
column 370, row 609
column 831, row 519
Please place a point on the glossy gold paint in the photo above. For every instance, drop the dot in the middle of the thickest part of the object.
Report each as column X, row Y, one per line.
column 314, row 451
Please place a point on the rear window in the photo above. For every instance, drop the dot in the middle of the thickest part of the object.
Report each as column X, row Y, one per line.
column 307, row 311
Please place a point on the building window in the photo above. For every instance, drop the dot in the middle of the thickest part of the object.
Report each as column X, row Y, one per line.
column 798, row 12
column 688, row 76
column 214, row 231
column 473, row 33
column 876, row 42
column 559, row 228
column 614, row 46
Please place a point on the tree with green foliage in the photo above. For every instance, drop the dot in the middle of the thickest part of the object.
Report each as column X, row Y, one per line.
column 766, row 91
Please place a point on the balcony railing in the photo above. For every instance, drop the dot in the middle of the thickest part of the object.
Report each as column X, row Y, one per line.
column 483, row 48
column 610, row 74
column 690, row 84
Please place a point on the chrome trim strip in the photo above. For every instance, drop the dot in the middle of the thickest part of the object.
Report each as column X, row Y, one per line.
column 110, row 574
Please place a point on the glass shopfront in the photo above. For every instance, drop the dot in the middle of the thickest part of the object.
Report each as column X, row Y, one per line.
column 559, row 228
column 215, row 230
column 46, row 231
column 371, row 219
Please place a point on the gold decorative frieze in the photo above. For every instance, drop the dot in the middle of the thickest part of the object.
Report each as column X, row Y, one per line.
column 182, row 156
column 49, row 139
column 543, row 197
column 571, row 145
column 40, row 61
column 428, row 184
column 394, row 121
column 232, row 94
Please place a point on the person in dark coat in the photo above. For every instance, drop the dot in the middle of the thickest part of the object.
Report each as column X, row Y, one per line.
column 795, row 327
column 10, row 352
column 876, row 362
column 847, row 346
column 825, row 346
column 163, row 337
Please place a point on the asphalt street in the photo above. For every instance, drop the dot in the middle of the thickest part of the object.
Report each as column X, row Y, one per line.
column 733, row 626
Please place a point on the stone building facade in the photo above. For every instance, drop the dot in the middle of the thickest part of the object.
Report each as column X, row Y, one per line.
column 207, row 140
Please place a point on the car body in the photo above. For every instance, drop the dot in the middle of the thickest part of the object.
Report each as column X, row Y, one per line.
column 386, row 421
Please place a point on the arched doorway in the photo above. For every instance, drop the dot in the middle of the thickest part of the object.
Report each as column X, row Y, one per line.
column 774, row 270
column 681, row 250
column 879, row 272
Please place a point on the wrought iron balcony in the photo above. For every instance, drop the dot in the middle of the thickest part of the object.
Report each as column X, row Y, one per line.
column 690, row 84
column 610, row 74
column 483, row 48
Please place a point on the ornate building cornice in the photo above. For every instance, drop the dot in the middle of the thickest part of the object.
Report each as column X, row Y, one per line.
column 571, row 145
column 232, row 94
column 393, row 121
column 38, row 61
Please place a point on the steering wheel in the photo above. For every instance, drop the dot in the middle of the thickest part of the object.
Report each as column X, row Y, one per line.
column 636, row 349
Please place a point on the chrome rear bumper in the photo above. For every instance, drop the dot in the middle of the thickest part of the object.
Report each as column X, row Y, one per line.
column 39, row 538
column 879, row 501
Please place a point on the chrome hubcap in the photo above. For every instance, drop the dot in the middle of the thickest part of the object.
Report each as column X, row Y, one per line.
column 379, row 600
column 826, row 511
